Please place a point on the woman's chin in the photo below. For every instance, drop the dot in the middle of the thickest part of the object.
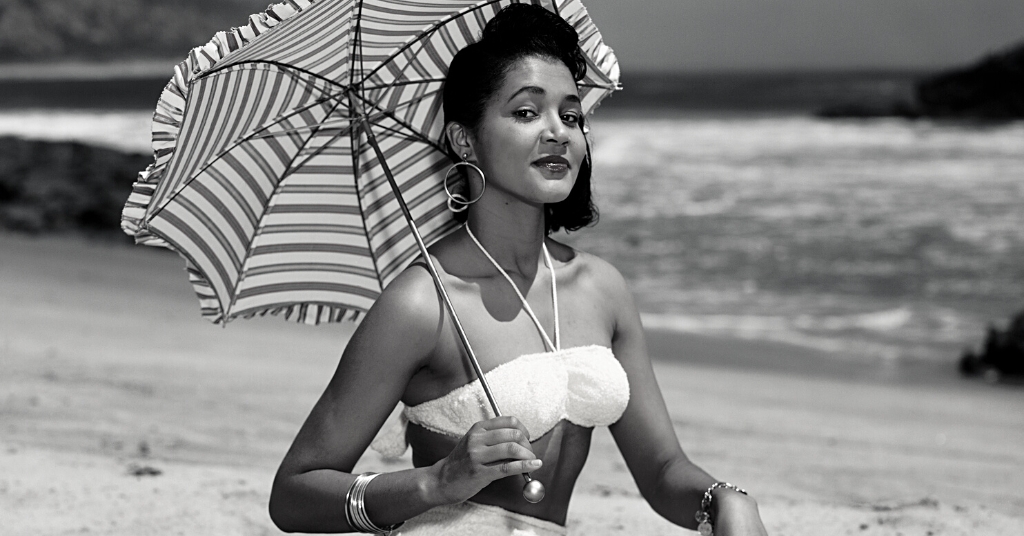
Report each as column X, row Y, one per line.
column 552, row 196
column 555, row 189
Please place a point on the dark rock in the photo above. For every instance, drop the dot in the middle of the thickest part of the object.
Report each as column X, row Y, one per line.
column 64, row 186
column 991, row 89
column 1002, row 354
column 143, row 470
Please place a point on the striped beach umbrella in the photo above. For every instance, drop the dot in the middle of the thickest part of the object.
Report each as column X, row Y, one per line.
column 296, row 156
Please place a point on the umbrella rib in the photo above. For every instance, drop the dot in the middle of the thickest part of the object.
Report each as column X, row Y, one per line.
column 423, row 35
column 354, row 148
column 405, row 83
column 417, row 136
column 357, row 45
column 282, row 66
column 248, row 137
column 398, row 132
column 344, row 131
column 613, row 87
column 286, row 68
column 181, row 188
column 371, row 117
column 259, row 224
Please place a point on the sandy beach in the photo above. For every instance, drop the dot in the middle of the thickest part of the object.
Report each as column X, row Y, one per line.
column 122, row 412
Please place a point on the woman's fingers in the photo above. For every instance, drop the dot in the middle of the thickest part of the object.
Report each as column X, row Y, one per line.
column 505, row 435
column 503, row 452
column 509, row 467
column 504, row 444
column 504, row 429
column 505, row 421
column 490, row 450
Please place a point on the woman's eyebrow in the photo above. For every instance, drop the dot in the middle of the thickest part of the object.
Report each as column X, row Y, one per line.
column 537, row 90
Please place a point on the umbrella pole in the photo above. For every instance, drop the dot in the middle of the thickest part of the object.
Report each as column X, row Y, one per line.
column 533, row 491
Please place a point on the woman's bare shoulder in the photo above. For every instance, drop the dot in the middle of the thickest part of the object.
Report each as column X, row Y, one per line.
column 591, row 272
column 409, row 305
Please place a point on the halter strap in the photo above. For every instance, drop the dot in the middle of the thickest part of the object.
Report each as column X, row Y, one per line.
column 554, row 290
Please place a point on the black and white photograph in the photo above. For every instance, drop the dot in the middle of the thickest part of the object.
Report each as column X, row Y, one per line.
column 512, row 267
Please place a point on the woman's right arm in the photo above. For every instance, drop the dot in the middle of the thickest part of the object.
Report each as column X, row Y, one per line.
column 394, row 340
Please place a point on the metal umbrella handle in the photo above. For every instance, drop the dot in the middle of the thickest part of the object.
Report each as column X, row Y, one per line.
column 533, row 491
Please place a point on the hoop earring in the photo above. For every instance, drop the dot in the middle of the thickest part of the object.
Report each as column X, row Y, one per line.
column 456, row 201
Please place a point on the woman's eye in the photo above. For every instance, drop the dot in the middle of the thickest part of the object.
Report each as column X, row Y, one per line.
column 524, row 114
column 571, row 118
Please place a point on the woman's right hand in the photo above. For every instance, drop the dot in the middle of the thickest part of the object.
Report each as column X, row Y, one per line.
column 490, row 450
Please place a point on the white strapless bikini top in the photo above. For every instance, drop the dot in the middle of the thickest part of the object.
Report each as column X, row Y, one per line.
column 584, row 385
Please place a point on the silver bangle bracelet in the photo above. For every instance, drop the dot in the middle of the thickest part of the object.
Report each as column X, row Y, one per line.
column 355, row 507
column 704, row 525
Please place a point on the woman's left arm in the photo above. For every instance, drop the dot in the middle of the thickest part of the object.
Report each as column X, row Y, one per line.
column 672, row 484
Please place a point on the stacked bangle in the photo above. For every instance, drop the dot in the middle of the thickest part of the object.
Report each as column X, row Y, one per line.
column 704, row 525
column 355, row 507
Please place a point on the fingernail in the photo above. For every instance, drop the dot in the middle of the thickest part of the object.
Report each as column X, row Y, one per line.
column 536, row 463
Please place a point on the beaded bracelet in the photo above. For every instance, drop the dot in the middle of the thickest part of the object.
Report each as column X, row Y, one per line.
column 703, row 516
column 355, row 507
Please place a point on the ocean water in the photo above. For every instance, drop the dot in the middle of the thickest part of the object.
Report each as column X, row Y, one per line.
column 125, row 130
column 884, row 238
column 880, row 238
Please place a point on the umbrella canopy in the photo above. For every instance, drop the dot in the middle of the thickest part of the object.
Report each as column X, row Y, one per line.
column 273, row 145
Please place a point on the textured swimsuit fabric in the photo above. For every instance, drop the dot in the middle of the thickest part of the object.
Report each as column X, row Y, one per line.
column 472, row 519
column 584, row 385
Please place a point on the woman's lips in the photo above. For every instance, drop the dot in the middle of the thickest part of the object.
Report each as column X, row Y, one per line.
column 553, row 167
column 554, row 164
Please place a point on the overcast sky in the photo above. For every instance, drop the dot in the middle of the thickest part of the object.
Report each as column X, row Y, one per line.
column 701, row 35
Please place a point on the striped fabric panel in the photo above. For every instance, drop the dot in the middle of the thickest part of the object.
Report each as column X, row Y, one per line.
column 319, row 42
column 209, row 305
column 263, row 182
column 221, row 199
column 419, row 170
column 170, row 110
column 250, row 99
column 311, row 246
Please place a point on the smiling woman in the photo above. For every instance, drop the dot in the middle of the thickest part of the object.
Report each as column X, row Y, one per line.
column 515, row 120
column 473, row 82
column 531, row 131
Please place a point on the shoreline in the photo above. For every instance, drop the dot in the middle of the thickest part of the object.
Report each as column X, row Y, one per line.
column 759, row 355
column 664, row 345
column 88, row 70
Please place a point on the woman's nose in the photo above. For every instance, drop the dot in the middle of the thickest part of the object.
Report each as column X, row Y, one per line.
column 557, row 131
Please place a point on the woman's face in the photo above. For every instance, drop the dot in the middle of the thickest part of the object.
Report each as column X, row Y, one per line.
column 529, row 142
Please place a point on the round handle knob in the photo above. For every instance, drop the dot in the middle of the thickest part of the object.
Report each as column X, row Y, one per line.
column 533, row 491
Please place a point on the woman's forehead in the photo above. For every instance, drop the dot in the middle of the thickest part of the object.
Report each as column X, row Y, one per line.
column 541, row 76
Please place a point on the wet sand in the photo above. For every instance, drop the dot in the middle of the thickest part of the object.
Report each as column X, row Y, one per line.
column 108, row 376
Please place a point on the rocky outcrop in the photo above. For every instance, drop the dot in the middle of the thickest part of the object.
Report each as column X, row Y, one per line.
column 992, row 89
column 64, row 186
column 1002, row 354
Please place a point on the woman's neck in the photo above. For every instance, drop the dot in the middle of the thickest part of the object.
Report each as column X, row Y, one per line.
column 514, row 237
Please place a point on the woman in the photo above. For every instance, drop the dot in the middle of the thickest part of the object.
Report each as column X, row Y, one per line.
column 556, row 328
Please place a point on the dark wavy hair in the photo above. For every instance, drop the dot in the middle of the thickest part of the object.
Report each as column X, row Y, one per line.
column 478, row 71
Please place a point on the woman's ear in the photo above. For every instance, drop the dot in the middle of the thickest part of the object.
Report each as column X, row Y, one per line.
column 458, row 139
